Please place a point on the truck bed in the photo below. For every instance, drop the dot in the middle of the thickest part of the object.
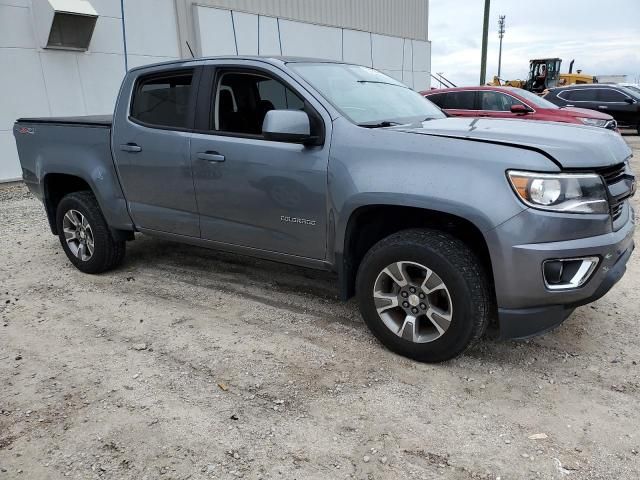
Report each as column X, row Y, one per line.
column 85, row 120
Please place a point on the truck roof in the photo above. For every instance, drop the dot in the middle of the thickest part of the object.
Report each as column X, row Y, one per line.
column 275, row 59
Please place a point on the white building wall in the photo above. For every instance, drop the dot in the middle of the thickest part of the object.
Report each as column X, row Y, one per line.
column 44, row 82
column 227, row 32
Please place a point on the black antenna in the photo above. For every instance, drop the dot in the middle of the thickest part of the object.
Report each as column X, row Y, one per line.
column 190, row 51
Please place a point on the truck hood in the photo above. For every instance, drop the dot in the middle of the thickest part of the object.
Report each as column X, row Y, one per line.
column 569, row 146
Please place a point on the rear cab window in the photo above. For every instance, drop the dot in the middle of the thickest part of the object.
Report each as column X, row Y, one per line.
column 164, row 100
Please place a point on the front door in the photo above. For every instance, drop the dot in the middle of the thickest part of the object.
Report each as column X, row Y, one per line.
column 619, row 105
column 252, row 192
column 151, row 148
column 497, row 104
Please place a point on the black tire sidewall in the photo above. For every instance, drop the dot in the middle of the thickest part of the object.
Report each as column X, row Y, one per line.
column 101, row 235
column 461, row 330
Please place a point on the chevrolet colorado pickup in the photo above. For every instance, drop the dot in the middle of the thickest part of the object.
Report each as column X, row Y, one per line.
column 440, row 226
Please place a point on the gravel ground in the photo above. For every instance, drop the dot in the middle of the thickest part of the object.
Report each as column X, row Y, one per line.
column 191, row 364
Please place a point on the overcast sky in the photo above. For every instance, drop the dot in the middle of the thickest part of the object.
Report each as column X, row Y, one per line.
column 603, row 36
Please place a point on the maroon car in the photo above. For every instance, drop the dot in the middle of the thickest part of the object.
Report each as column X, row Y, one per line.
column 510, row 102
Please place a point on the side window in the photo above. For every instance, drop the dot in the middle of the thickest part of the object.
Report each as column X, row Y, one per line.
column 163, row 100
column 496, row 101
column 464, row 100
column 579, row 95
column 610, row 95
column 437, row 98
column 242, row 100
column 279, row 96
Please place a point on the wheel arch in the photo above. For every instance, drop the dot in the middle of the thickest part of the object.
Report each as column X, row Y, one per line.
column 367, row 224
column 57, row 185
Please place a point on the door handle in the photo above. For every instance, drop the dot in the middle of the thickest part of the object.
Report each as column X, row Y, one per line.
column 131, row 147
column 602, row 106
column 211, row 156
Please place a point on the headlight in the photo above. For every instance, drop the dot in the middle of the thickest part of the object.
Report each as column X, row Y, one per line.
column 593, row 122
column 561, row 192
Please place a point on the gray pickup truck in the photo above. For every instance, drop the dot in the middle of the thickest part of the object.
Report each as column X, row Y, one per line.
column 441, row 227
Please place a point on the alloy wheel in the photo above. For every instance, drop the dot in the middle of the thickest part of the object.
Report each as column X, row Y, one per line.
column 413, row 301
column 78, row 235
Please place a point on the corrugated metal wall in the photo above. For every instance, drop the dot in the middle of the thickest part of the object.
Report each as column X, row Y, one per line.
column 400, row 18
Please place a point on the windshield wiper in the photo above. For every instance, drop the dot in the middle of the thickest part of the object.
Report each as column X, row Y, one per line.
column 383, row 124
column 381, row 82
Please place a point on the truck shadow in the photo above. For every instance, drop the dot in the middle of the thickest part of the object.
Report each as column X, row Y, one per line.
column 291, row 288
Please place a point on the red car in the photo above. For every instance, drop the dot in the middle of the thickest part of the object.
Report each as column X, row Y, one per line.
column 510, row 102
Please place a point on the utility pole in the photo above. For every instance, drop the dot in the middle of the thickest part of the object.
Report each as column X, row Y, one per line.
column 485, row 35
column 500, row 34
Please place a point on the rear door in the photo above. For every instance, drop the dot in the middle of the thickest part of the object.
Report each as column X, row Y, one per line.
column 151, row 147
column 253, row 192
column 615, row 103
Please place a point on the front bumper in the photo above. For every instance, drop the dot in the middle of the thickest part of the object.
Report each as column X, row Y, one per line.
column 527, row 322
column 525, row 306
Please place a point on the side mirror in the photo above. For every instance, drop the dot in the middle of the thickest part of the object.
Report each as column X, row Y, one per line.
column 291, row 126
column 520, row 109
column 630, row 101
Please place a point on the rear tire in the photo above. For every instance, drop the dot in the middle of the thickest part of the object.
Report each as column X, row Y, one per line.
column 444, row 305
column 85, row 235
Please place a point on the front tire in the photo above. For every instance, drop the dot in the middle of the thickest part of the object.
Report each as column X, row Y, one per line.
column 85, row 236
column 424, row 294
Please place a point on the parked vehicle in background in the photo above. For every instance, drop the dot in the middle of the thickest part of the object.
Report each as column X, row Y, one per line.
column 440, row 226
column 621, row 103
column 510, row 102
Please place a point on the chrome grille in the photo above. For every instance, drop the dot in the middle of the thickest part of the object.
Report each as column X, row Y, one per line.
column 616, row 210
column 612, row 174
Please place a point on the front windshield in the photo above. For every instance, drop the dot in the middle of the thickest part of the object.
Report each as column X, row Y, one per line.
column 366, row 96
column 633, row 92
column 535, row 99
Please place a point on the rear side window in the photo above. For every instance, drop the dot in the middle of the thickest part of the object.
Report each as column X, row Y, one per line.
column 460, row 100
column 163, row 100
column 579, row 95
column 610, row 95
column 437, row 98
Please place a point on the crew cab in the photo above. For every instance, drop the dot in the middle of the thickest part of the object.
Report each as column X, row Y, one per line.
column 442, row 227
column 510, row 102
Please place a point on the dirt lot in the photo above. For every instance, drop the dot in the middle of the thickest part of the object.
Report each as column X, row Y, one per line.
column 190, row 364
